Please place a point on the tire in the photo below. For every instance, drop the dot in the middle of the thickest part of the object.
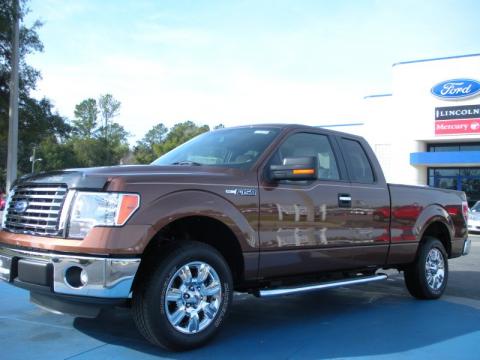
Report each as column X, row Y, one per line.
column 194, row 310
column 424, row 284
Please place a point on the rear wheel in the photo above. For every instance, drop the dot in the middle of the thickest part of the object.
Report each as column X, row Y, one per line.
column 184, row 299
column 427, row 277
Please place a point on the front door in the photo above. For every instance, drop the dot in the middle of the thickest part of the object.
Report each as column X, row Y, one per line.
column 304, row 224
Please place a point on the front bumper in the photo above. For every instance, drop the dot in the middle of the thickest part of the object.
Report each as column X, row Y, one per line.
column 102, row 277
column 474, row 225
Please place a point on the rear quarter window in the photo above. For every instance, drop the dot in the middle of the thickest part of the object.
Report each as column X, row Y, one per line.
column 359, row 166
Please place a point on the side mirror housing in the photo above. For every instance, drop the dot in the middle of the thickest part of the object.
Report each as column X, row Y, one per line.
column 295, row 168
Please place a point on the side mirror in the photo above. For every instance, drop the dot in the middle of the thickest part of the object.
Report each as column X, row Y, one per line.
column 297, row 168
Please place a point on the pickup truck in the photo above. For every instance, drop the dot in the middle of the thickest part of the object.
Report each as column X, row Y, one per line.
column 267, row 209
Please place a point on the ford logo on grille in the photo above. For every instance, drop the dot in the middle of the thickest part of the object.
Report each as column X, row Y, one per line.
column 20, row 207
column 456, row 89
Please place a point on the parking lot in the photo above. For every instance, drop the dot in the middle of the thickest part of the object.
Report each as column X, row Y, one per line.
column 376, row 321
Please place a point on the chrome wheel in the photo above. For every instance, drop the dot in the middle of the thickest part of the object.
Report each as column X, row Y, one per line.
column 435, row 269
column 193, row 297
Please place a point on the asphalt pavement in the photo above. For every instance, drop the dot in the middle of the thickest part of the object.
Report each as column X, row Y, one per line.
column 376, row 321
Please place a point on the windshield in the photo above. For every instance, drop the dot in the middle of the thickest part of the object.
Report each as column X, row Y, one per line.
column 238, row 147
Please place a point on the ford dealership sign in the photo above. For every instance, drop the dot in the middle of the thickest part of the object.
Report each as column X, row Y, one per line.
column 456, row 89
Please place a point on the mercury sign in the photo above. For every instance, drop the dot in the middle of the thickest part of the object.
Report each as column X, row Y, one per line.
column 456, row 89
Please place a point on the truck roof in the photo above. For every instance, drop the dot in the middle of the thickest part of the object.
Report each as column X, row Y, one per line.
column 294, row 127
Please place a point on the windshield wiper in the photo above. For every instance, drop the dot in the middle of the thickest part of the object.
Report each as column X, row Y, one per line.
column 187, row 162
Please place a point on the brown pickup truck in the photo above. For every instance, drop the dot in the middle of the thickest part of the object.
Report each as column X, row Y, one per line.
column 265, row 209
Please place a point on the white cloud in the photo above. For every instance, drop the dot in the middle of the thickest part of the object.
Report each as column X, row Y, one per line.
column 155, row 34
column 152, row 92
column 53, row 10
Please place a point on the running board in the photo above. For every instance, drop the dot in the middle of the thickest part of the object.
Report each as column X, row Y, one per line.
column 321, row 286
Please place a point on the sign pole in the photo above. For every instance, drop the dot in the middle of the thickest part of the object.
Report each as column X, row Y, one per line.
column 12, row 157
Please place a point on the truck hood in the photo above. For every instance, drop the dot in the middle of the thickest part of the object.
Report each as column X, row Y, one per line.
column 97, row 178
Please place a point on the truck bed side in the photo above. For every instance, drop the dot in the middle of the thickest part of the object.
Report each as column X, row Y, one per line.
column 417, row 211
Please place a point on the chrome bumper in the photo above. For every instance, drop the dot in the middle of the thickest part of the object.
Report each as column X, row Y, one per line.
column 101, row 277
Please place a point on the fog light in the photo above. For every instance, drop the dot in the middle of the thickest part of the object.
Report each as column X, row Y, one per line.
column 84, row 277
column 76, row 277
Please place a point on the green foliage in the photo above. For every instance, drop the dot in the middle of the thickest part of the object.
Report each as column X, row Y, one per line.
column 116, row 145
column 85, row 121
column 143, row 152
column 87, row 151
column 29, row 43
column 109, row 108
column 92, row 139
column 159, row 140
column 155, row 135
column 55, row 155
column 95, row 145
column 177, row 135
column 37, row 121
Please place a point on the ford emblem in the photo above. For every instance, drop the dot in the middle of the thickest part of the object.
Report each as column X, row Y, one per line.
column 20, row 207
column 456, row 89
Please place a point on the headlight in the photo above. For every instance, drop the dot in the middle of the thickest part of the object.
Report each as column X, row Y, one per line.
column 91, row 209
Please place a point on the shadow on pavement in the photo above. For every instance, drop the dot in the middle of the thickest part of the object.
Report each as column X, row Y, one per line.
column 464, row 284
column 360, row 321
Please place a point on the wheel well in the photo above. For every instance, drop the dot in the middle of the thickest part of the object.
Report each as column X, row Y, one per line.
column 206, row 230
column 440, row 231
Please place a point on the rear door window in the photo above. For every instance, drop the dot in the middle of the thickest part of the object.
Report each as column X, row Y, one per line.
column 359, row 166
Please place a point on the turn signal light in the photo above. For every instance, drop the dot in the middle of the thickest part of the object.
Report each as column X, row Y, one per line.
column 303, row 171
column 128, row 204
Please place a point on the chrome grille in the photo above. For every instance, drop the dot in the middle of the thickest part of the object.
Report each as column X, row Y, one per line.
column 35, row 209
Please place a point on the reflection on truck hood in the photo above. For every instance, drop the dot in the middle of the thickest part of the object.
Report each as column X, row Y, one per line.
column 98, row 177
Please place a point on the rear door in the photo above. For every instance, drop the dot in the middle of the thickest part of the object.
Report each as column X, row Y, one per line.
column 369, row 216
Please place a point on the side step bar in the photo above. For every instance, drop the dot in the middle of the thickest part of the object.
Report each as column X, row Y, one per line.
column 321, row 286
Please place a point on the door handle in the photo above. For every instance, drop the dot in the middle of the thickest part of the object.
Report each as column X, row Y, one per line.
column 344, row 200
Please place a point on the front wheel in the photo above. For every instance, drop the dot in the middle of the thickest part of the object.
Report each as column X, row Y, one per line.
column 427, row 277
column 184, row 299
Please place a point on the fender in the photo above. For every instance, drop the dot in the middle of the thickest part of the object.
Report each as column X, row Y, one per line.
column 429, row 215
column 160, row 213
column 405, row 252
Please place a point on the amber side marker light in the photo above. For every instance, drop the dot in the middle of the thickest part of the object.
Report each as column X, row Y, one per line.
column 128, row 205
column 303, row 172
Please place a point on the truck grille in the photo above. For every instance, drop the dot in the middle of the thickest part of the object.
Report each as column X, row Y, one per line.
column 35, row 210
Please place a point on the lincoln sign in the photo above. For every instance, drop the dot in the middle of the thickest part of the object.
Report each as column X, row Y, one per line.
column 454, row 120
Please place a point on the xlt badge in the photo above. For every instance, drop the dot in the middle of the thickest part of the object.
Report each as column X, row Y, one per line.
column 242, row 192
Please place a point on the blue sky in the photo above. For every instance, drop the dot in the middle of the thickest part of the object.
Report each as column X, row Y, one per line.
column 239, row 62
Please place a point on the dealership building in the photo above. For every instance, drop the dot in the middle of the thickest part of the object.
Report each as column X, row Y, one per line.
column 427, row 130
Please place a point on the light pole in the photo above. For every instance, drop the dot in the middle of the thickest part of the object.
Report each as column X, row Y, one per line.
column 12, row 157
column 33, row 160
